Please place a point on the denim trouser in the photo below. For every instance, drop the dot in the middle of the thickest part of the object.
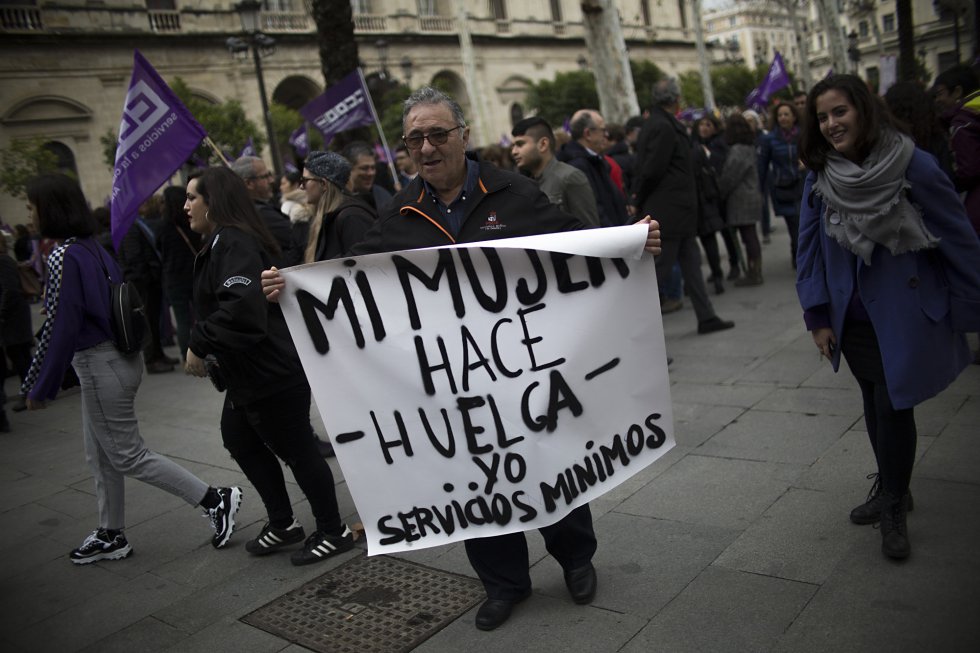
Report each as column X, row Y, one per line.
column 113, row 445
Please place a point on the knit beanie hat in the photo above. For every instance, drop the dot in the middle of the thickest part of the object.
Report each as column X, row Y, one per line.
column 330, row 166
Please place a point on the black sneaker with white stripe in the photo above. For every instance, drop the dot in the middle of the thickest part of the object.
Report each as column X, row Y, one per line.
column 320, row 546
column 100, row 546
column 272, row 539
column 222, row 516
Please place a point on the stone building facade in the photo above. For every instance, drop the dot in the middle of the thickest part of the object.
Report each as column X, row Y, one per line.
column 65, row 65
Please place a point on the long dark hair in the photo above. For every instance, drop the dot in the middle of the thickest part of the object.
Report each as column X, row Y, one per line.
column 873, row 117
column 62, row 210
column 230, row 206
column 738, row 131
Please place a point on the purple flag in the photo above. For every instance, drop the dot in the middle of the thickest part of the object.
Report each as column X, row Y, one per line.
column 776, row 78
column 289, row 167
column 300, row 140
column 342, row 107
column 249, row 149
column 157, row 134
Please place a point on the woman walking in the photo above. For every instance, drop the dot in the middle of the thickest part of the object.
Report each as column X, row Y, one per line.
column 780, row 169
column 266, row 414
column 78, row 332
column 738, row 186
column 888, row 275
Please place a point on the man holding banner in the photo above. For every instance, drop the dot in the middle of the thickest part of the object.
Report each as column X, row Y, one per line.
column 456, row 200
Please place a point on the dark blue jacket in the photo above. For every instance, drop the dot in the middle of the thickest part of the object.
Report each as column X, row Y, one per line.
column 611, row 202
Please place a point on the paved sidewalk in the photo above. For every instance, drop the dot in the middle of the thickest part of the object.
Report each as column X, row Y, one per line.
column 736, row 540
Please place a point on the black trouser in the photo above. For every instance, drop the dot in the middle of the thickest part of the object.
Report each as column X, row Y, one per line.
column 686, row 252
column 711, row 253
column 279, row 425
column 793, row 227
column 751, row 239
column 891, row 431
column 501, row 561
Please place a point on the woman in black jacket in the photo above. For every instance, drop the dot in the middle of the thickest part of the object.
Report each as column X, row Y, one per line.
column 267, row 406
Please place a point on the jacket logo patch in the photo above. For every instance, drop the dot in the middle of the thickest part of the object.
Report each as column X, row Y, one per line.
column 492, row 223
column 231, row 281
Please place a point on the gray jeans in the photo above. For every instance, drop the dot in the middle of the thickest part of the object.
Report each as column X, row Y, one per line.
column 113, row 445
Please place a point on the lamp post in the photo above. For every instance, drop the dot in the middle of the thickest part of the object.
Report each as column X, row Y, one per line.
column 853, row 53
column 583, row 63
column 406, row 66
column 382, row 47
column 261, row 45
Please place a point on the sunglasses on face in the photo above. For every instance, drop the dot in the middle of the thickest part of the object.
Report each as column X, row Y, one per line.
column 436, row 137
column 306, row 180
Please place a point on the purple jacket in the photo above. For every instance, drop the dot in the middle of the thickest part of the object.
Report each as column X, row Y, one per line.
column 78, row 313
column 921, row 304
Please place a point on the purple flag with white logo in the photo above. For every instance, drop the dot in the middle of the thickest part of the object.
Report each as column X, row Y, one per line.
column 300, row 140
column 157, row 134
column 249, row 149
column 776, row 78
column 342, row 107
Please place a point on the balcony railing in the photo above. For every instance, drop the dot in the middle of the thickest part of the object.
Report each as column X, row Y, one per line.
column 297, row 21
column 435, row 24
column 503, row 26
column 164, row 21
column 20, row 19
column 370, row 23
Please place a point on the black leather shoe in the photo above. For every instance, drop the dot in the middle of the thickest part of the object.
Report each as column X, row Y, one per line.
column 581, row 583
column 494, row 612
column 714, row 324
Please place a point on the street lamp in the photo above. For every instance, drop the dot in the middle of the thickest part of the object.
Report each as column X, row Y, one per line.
column 382, row 47
column 406, row 66
column 853, row 53
column 583, row 63
column 261, row 45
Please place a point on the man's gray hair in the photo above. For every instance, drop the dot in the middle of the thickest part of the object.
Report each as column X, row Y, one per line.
column 430, row 96
column 244, row 166
column 581, row 120
column 666, row 92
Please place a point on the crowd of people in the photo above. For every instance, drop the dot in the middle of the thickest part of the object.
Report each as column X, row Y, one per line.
column 885, row 248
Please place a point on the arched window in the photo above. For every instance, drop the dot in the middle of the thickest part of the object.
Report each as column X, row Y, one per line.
column 66, row 158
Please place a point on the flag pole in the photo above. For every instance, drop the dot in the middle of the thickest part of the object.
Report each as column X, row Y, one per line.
column 217, row 151
column 381, row 132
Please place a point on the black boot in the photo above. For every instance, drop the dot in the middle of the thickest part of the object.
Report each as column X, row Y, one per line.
column 869, row 512
column 894, row 530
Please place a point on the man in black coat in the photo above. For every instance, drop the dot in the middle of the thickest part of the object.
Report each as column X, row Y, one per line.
column 664, row 186
column 584, row 152
column 258, row 180
column 455, row 199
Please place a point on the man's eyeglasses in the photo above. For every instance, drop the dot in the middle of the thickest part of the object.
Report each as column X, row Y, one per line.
column 436, row 137
column 305, row 180
column 267, row 175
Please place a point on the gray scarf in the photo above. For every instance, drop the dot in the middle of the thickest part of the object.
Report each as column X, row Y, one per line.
column 867, row 203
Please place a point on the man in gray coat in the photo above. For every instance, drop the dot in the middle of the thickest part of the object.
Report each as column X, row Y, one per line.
column 534, row 153
column 664, row 186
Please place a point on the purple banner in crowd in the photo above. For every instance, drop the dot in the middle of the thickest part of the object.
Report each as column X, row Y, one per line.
column 776, row 78
column 157, row 134
column 343, row 106
column 300, row 140
column 249, row 149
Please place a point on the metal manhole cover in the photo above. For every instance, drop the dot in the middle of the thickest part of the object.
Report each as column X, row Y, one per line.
column 369, row 604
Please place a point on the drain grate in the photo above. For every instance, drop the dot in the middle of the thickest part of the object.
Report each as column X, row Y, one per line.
column 369, row 604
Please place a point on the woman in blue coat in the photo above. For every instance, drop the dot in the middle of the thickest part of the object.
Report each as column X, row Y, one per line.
column 889, row 270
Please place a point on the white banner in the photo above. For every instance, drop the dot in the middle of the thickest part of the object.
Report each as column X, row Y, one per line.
column 485, row 389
